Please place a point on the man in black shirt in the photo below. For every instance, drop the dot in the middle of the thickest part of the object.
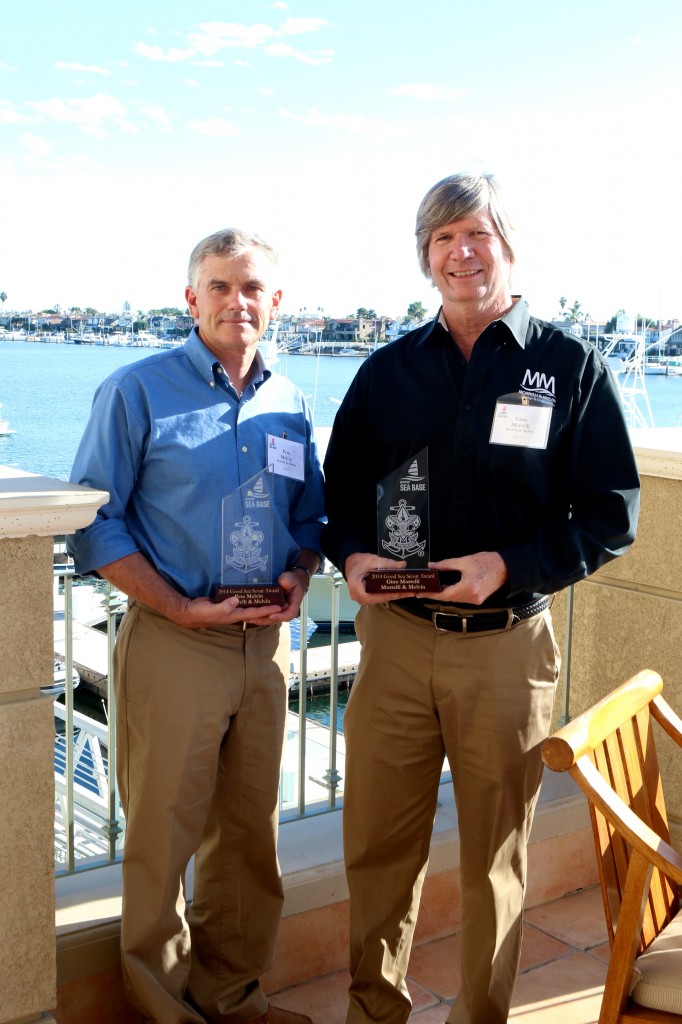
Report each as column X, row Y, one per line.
column 532, row 486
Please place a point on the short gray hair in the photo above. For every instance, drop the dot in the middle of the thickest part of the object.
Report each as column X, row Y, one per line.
column 455, row 197
column 229, row 242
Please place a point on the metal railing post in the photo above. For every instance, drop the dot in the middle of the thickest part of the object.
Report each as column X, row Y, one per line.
column 112, row 829
column 332, row 776
column 68, row 726
column 302, row 705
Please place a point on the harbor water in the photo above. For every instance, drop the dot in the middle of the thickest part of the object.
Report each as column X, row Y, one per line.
column 46, row 391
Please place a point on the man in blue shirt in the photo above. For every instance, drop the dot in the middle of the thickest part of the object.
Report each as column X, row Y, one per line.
column 200, row 685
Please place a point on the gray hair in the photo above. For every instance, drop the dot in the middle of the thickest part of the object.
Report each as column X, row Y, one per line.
column 455, row 197
column 229, row 242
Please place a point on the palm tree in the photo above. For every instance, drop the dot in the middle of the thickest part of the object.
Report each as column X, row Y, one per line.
column 416, row 311
column 575, row 314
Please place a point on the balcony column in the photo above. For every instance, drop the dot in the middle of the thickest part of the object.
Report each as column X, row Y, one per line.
column 32, row 511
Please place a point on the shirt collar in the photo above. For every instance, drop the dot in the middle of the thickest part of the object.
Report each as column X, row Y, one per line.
column 204, row 361
column 516, row 319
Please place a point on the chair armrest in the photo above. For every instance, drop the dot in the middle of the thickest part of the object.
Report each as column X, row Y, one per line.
column 638, row 834
column 667, row 719
column 585, row 732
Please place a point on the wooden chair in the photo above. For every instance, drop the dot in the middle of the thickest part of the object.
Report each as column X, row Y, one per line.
column 611, row 754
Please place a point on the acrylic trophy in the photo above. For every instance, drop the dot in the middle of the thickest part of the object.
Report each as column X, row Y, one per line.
column 403, row 529
column 246, row 568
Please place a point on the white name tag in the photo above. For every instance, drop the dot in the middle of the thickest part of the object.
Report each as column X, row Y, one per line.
column 521, row 421
column 286, row 457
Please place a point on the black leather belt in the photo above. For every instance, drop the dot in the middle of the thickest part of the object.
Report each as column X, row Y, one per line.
column 474, row 622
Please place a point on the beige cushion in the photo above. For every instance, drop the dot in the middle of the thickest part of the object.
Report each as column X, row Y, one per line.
column 657, row 974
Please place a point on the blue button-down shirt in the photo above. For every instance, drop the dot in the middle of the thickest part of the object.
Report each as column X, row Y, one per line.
column 169, row 438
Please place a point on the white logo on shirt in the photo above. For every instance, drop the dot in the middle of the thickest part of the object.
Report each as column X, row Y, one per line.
column 540, row 385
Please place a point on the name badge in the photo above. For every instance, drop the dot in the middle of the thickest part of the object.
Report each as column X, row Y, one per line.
column 521, row 421
column 286, row 457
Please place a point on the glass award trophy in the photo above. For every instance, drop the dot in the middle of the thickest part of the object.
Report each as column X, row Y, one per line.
column 403, row 529
column 246, row 568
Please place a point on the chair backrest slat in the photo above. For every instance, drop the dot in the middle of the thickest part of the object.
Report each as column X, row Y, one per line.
column 626, row 758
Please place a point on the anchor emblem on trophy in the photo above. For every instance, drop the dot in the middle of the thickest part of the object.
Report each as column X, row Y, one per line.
column 247, row 533
column 246, row 547
column 403, row 540
column 402, row 509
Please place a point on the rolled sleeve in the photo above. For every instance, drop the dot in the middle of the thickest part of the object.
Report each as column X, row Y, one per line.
column 108, row 459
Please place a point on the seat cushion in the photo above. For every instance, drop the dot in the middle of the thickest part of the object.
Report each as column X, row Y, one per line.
column 657, row 974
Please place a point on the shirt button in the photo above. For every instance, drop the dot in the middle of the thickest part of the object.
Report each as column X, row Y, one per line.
column 467, row 408
column 245, row 448
column 211, row 383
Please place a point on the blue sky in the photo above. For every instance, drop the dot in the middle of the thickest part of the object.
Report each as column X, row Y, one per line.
column 130, row 132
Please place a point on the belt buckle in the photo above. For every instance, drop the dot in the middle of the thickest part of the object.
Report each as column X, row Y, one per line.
column 451, row 615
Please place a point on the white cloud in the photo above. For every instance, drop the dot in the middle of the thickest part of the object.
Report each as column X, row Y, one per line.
column 92, row 69
column 92, row 115
column 36, row 145
column 314, row 57
column 279, row 5
column 6, row 67
column 191, row 82
column 422, row 91
column 213, row 36
column 159, row 115
column 209, row 63
column 240, row 63
column 172, row 56
column 215, row 127
column 217, row 35
column 9, row 114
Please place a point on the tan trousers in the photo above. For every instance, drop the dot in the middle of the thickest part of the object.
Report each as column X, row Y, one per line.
column 200, row 724
column 485, row 700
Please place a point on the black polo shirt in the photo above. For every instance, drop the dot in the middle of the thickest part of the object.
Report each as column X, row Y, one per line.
column 554, row 513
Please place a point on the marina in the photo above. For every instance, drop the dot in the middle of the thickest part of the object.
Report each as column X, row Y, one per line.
column 60, row 381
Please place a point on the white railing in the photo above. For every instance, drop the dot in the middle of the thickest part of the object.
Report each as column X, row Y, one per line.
column 89, row 821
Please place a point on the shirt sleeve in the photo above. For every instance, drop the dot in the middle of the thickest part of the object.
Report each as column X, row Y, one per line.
column 599, row 472
column 108, row 458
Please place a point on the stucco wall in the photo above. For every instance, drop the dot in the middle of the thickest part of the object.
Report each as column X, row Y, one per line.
column 628, row 616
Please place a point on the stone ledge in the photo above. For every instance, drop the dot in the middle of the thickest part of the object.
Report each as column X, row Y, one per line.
column 38, row 506
column 658, row 451
column 89, row 902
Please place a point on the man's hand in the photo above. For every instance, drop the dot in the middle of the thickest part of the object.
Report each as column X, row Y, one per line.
column 356, row 568
column 202, row 613
column 482, row 574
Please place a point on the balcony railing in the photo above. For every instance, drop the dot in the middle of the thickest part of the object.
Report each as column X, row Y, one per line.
column 89, row 820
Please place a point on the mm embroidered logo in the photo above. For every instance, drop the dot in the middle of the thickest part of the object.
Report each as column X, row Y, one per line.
column 540, row 385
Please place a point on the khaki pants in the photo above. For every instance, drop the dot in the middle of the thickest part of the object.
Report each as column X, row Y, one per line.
column 200, row 724
column 485, row 700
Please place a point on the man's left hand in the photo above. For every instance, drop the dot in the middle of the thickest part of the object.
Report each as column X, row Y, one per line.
column 294, row 588
column 482, row 574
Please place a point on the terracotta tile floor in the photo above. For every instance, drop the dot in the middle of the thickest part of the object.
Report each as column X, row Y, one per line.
column 563, row 967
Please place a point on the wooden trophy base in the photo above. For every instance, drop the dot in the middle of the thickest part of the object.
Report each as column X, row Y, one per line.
column 256, row 595
column 402, row 581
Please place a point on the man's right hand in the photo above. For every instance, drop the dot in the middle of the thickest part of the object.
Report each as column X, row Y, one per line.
column 138, row 578
column 355, row 570
column 202, row 613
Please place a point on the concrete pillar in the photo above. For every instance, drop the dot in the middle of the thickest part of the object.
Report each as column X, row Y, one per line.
column 32, row 510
